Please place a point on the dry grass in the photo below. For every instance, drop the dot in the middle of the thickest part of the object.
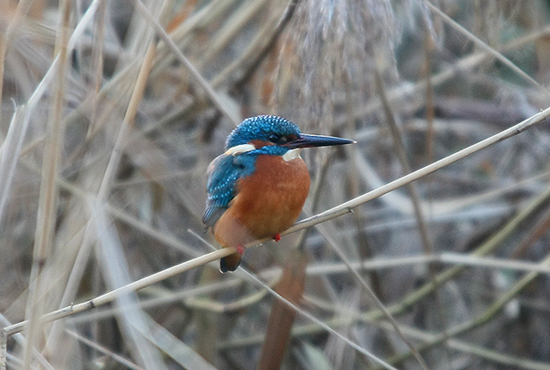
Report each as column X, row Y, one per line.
column 112, row 110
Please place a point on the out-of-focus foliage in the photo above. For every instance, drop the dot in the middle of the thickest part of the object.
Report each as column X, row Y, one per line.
column 325, row 67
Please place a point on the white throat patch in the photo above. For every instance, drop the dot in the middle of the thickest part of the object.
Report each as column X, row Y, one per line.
column 243, row 148
column 292, row 154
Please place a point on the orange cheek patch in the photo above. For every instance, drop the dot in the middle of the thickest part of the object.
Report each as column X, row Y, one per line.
column 258, row 144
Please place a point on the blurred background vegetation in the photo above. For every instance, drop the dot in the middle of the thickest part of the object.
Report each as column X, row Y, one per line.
column 106, row 133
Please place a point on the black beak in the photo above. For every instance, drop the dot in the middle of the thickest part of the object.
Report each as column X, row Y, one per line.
column 308, row 141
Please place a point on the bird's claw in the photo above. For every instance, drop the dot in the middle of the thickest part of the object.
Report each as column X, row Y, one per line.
column 240, row 250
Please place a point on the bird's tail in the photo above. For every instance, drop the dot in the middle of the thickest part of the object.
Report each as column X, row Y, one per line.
column 230, row 263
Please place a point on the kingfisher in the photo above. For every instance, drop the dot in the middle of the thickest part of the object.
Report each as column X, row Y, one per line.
column 258, row 187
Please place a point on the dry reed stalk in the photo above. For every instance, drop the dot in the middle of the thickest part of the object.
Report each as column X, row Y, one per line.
column 47, row 206
column 281, row 317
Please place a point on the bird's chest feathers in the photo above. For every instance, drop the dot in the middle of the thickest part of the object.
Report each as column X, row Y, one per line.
column 279, row 177
column 273, row 196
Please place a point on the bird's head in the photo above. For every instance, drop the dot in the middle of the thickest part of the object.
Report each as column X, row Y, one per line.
column 274, row 135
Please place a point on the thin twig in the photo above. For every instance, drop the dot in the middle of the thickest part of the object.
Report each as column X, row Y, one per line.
column 136, row 285
column 349, row 205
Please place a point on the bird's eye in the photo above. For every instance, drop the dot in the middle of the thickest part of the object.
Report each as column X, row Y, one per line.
column 274, row 138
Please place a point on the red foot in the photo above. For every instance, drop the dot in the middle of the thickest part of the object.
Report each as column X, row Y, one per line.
column 240, row 250
column 277, row 237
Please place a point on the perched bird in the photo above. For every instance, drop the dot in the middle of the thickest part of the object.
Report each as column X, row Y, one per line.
column 257, row 188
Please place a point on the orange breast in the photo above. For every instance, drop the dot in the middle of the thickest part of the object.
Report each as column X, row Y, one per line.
column 267, row 202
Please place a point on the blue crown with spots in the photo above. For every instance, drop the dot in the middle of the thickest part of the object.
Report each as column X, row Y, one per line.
column 261, row 128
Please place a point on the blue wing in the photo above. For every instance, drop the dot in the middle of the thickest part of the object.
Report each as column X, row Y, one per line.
column 223, row 173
